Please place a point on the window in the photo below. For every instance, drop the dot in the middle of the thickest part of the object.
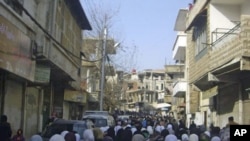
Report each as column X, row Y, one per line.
column 200, row 36
column 16, row 5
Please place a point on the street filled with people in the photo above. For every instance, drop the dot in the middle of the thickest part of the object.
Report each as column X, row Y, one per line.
column 133, row 128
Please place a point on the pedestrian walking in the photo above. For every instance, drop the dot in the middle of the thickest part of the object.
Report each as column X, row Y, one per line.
column 5, row 129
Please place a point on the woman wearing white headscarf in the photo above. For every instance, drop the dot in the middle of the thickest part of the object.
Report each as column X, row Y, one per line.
column 64, row 133
column 138, row 137
column 57, row 137
column 77, row 137
column 36, row 138
column 215, row 138
column 171, row 137
column 88, row 135
column 170, row 129
column 184, row 137
column 193, row 137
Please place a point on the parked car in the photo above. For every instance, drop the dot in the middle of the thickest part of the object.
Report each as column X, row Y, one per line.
column 59, row 125
column 123, row 117
column 99, row 118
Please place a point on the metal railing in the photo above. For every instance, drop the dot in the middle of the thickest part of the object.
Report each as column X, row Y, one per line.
column 222, row 33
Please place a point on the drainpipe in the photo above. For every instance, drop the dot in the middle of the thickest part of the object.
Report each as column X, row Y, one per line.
column 240, row 104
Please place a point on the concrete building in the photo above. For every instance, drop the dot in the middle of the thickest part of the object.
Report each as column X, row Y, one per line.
column 40, row 61
column 145, row 91
column 218, row 59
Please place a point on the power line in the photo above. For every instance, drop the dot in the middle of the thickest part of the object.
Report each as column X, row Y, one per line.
column 51, row 37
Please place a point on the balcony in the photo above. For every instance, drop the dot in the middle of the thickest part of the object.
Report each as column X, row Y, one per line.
column 179, row 50
column 175, row 69
column 195, row 11
column 228, row 55
column 180, row 89
column 230, row 2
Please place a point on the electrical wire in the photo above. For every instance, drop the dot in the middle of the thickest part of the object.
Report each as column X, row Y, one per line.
column 50, row 36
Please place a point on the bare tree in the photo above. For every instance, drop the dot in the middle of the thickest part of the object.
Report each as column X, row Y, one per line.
column 102, row 16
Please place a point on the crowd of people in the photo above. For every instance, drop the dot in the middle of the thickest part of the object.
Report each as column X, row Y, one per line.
column 146, row 128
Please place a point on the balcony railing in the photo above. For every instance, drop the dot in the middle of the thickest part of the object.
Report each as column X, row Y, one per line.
column 224, row 35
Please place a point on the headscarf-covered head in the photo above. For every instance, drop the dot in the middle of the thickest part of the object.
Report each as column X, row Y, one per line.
column 98, row 134
column 193, row 137
column 57, row 137
column 138, row 137
column 150, row 130
column 88, row 135
column 184, row 137
column 36, row 138
column 107, row 138
column 215, row 138
column 171, row 137
column 78, row 137
column 70, row 137
column 63, row 133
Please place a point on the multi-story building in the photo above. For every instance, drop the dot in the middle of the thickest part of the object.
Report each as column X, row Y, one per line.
column 218, row 59
column 177, row 72
column 145, row 90
column 40, row 61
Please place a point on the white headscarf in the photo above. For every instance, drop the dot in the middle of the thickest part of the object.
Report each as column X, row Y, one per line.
column 77, row 137
column 193, row 137
column 64, row 133
column 117, row 127
column 150, row 130
column 171, row 138
column 138, row 137
column 57, row 137
column 215, row 138
column 184, row 137
column 88, row 135
column 36, row 138
column 133, row 129
column 207, row 133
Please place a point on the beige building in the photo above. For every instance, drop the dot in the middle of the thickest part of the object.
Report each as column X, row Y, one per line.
column 40, row 61
column 145, row 91
column 218, row 59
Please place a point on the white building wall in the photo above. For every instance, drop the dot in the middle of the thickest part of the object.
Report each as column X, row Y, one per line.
column 245, row 10
column 225, row 17
column 181, row 41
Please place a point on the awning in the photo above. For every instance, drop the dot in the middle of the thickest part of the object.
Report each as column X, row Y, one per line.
column 162, row 105
column 198, row 19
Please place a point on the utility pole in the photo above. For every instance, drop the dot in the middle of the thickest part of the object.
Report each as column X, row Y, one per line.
column 103, row 67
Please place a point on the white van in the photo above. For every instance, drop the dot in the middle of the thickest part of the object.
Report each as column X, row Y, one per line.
column 99, row 119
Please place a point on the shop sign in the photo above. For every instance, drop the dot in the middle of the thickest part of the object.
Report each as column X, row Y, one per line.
column 75, row 96
column 42, row 74
column 15, row 50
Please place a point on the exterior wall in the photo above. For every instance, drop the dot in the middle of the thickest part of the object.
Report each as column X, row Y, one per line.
column 65, row 110
column 13, row 104
column 226, row 14
column 181, row 42
column 33, row 111
column 245, row 8
column 193, row 99
column 228, row 106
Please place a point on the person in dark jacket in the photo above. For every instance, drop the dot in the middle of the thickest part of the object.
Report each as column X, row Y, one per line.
column 5, row 129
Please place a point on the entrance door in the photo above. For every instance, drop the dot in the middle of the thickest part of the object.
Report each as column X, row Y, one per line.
column 205, row 118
